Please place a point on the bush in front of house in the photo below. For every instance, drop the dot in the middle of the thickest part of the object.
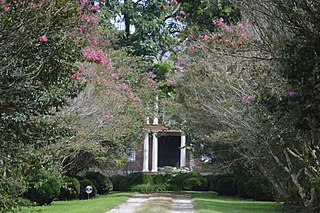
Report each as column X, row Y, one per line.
column 214, row 179
column 83, row 184
column 242, row 185
column 70, row 188
column 226, row 186
column 101, row 182
column 43, row 189
column 259, row 188
column 145, row 187
column 119, row 182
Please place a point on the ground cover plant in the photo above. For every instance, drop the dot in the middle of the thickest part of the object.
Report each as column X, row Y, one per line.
column 100, row 204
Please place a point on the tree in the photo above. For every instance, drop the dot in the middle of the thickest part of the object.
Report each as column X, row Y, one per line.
column 36, row 63
column 258, row 96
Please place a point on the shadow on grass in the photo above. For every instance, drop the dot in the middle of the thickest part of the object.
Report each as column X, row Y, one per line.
column 210, row 202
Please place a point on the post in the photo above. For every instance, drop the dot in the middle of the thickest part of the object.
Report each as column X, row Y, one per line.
column 154, row 153
column 146, row 153
column 183, row 151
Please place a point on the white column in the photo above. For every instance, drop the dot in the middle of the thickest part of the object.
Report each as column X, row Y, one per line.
column 183, row 151
column 156, row 111
column 146, row 153
column 154, row 153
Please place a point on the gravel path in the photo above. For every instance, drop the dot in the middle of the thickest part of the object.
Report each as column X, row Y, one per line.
column 181, row 203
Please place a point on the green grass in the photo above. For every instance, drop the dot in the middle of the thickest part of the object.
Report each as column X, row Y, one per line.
column 100, row 204
column 155, row 206
column 205, row 202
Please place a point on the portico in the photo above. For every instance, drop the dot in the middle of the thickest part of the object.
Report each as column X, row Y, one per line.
column 163, row 147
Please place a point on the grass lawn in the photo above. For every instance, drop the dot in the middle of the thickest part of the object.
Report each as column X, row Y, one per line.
column 100, row 204
column 155, row 206
column 205, row 202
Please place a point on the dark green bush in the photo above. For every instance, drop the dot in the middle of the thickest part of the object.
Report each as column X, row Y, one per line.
column 70, row 188
column 43, row 189
column 119, row 182
column 83, row 184
column 102, row 183
column 226, row 186
column 260, row 188
column 214, row 179
column 241, row 186
column 185, row 181
column 160, row 178
column 139, row 178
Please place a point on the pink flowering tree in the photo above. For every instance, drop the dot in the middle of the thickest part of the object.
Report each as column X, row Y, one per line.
column 38, row 77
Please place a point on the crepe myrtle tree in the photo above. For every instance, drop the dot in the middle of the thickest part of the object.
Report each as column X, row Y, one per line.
column 277, row 128
column 37, row 62
column 108, row 117
column 289, row 31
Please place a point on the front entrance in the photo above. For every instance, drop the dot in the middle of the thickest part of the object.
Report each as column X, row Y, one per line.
column 168, row 151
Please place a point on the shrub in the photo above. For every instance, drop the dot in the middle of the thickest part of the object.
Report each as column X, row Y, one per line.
column 241, row 186
column 119, row 182
column 43, row 189
column 226, row 186
column 160, row 178
column 260, row 188
column 138, row 178
column 214, row 179
column 102, row 183
column 83, row 184
column 145, row 187
column 70, row 188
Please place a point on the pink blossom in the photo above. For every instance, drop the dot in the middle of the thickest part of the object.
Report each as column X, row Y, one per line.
column 108, row 116
column 115, row 76
column 76, row 77
column 44, row 38
column 221, row 20
column 80, row 29
column 125, row 86
column 182, row 13
column 153, row 76
column 292, row 94
column 190, row 37
column 205, row 37
column 247, row 99
column 174, row 1
column 95, row 42
column 240, row 42
column 95, row 7
column 178, row 67
column 171, row 82
column 179, row 58
column 5, row 8
column 178, row 17
column 130, row 94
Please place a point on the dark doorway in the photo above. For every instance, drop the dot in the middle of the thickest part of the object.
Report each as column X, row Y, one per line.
column 168, row 151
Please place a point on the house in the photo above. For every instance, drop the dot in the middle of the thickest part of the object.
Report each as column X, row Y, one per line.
column 161, row 147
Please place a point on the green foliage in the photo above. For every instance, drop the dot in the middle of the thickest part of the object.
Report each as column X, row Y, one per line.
column 145, row 187
column 259, row 188
column 185, row 181
column 83, row 184
column 35, row 81
column 241, row 184
column 43, row 189
column 119, row 182
column 101, row 182
column 226, row 186
column 70, row 188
